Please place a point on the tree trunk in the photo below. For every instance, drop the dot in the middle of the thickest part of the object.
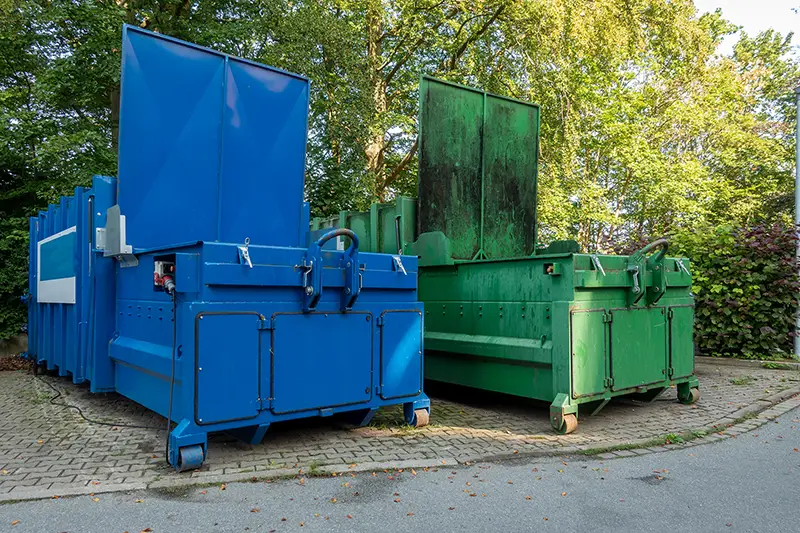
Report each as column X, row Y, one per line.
column 376, row 143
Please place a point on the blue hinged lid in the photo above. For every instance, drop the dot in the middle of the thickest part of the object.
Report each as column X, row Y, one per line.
column 211, row 147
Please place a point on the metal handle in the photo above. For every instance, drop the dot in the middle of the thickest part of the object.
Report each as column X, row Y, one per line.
column 663, row 243
column 397, row 235
column 312, row 288
column 340, row 232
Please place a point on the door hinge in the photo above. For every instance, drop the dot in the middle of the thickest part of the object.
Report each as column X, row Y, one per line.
column 379, row 321
column 670, row 313
column 671, row 371
column 608, row 382
column 607, row 317
column 265, row 324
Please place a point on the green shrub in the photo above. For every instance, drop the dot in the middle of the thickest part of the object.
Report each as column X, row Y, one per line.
column 746, row 285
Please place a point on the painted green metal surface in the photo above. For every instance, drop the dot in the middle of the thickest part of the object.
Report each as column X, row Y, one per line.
column 478, row 157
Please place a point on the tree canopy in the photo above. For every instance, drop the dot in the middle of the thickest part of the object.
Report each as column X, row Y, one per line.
column 646, row 127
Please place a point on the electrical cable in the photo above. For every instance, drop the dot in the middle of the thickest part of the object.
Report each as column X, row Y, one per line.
column 80, row 411
column 172, row 371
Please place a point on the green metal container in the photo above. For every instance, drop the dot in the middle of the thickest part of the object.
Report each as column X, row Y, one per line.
column 501, row 314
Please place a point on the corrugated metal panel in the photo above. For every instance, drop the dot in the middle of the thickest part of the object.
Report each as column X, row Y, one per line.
column 62, row 282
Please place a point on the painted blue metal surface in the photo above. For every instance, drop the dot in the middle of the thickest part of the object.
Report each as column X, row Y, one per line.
column 212, row 152
column 211, row 146
column 401, row 354
column 309, row 374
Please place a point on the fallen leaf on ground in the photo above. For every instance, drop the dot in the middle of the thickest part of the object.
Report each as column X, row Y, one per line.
column 374, row 474
column 302, row 481
column 546, row 518
column 302, row 524
column 451, row 508
column 397, row 500
column 54, row 497
column 349, row 516
column 203, row 492
column 409, row 514
column 40, row 441
column 255, row 510
column 510, row 482
column 223, row 486
column 95, row 499
column 535, row 470
column 147, row 530
column 15, row 522
column 139, row 501
column 95, row 482
column 352, row 466
column 796, row 450
column 472, row 495
column 528, row 498
column 563, row 493
column 333, row 500
column 283, row 520
column 413, row 472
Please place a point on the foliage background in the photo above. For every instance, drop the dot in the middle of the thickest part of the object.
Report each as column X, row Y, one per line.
column 647, row 129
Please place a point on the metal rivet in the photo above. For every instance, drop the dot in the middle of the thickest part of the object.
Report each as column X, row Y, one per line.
column 199, row 369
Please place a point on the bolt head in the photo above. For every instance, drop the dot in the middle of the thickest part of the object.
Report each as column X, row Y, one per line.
column 309, row 290
column 347, row 290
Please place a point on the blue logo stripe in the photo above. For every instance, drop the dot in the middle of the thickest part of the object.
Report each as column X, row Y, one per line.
column 57, row 258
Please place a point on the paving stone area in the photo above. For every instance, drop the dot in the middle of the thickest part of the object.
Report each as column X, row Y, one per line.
column 49, row 449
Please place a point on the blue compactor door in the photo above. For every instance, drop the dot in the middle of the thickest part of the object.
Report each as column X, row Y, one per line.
column 321, row 360
column 227, row 367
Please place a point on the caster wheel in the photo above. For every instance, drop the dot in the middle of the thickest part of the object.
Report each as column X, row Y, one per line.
column 190, row 458
column 692, row 397
column 421, row 418
column 569, row 425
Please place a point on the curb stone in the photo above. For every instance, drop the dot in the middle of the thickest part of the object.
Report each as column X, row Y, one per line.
column 767, row 409
column 793, row 365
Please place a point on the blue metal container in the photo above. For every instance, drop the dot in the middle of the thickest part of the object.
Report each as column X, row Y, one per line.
column 190, row 286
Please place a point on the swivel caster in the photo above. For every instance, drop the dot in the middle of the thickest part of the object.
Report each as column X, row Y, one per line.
column 568, row 425
column 420, row 419
column 190, row 458
column 689, row 397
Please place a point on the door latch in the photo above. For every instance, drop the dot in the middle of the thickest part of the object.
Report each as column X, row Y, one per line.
column 398, row 263
column 244, row 253
column 597, row 265
column 634, row 269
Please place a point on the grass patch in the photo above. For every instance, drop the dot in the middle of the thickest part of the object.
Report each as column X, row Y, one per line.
column 744, row 380
column 776, row 366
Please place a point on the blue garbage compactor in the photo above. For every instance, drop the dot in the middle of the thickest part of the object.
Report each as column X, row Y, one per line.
column 190, row 283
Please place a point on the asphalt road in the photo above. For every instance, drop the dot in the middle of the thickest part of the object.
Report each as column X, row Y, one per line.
column 749, row 483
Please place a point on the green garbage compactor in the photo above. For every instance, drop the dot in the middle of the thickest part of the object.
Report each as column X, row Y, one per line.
column 505, row 314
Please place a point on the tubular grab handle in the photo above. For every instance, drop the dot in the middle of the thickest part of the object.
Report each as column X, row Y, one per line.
column 640, row 254
column 340, row 232
column 312, row 277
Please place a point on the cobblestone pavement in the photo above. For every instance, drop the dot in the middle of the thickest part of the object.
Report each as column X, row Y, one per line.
column 48, row 449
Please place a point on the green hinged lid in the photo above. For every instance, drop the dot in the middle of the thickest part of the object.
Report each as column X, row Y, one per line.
column 478, row 158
